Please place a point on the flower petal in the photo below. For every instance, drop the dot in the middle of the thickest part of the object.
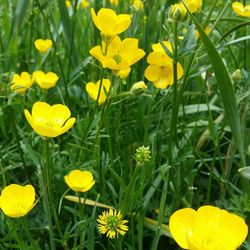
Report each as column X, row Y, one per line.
column 180, row 223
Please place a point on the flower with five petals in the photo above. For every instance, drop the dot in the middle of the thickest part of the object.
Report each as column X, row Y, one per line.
column 20, row 83
column 45, row 81
column 208, row 228
column 241, row 10
column 109, row 23
column 118, row 55
column 16, row 201
column 94, row 89
column 43, row 45
column 49, row 121
column 160, row 70
column 79, row 181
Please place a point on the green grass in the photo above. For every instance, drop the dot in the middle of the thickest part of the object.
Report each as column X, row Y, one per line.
column 197, row 129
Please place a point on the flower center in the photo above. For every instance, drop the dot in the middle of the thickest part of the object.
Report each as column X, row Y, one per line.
column 117, row 58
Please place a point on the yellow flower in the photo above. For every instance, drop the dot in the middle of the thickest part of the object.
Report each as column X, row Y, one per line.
column 93, row 90
column 20, row 83
column 112, row 224
column 120, row 55
column 45, row 81
column 85, row 4
column 138, row 5
column 114, row 2
column 178, row 12
column 79, row 181
column 16, row 201
column 43, row 45
column 194, row 5
column 240, row 9
column 49, row 121
column 138, row 87
column 68, row 3
column 208, row 228
column 160, row 71
column 207, row 31
column 109, row 23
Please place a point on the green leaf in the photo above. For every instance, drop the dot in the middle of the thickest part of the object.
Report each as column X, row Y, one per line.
column 225, row 86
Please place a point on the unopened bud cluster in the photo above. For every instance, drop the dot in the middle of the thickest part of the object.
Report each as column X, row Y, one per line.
column 142, row 155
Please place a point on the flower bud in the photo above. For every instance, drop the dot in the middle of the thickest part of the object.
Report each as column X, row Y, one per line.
column 138, row 88
column 142, row 155
column 178, row 12
column 237, row 75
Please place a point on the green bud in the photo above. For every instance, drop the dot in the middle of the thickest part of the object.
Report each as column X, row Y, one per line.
column 138, row 88
column 237, row 75
column 142, row 155
column 178, row 12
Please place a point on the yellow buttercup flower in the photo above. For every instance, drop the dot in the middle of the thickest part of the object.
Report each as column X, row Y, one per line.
column 49, row 121
column 93, row 90
column 109, row 23
column 85, row 4
column 194, row 5
column 20, row 83
column 160, row 71
column 79, row 181
column 45, row 81
column 114, row 2
column 240, row 9
column 208, row 228
column 43, row 45
column 138, row 5
column 112, row 224
column 120, row 55
column 16, row 201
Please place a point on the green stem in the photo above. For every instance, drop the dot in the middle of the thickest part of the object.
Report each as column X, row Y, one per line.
column 47, row 194
column 161, row 213
column 126, row 201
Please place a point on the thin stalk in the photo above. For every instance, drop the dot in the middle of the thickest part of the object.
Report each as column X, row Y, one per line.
column 45, row 184
column 161, row 213
column 55, row 48
column 127, row 201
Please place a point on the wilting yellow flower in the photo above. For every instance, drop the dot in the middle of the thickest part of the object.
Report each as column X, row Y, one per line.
column 16, row 201
column 43, row 45
column 20, row 83
column 208, row 228
column 79, row 181
column 177, row 12
column 109, row 23
column 45, row 81
column 138, row 87
column 49, row 121
column 114, row 2
column 194, row 5
column 85, row 4
column 120, row 55
column 93, row 90
column 138, row 5
column 112, row 224
column 160, row 71
column 68, row 3
column 240, row 9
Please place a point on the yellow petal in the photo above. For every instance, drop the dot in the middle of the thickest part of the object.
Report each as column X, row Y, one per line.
column 107, row 19
column 41, row 112
column 238, row 8
column 68, row 125
column 123, row 22
column 180, row 223
column 152, row 72
column 94, row 18
column 60, row 114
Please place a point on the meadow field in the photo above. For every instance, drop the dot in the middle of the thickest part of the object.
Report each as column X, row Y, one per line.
column 124, row 124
